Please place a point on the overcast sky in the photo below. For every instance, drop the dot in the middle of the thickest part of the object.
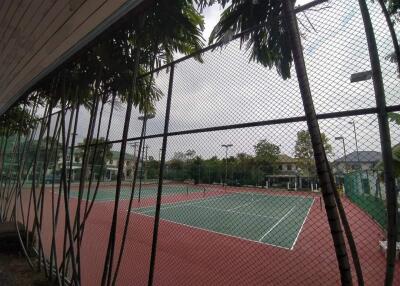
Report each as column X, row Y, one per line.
column 228, row 89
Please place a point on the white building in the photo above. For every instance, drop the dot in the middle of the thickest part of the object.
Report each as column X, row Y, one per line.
column 111, row 167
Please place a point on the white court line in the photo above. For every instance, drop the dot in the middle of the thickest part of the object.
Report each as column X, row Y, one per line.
column 243, row 205
column 269, row 195
column 216, row 232
column 276, row 224
column 182, row 203
column 194, row 204
column 301, row 228
column 234, row 236
column 222, row 210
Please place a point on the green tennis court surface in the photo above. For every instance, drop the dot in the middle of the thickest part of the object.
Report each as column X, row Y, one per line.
column 263, row 218
column 108, row 194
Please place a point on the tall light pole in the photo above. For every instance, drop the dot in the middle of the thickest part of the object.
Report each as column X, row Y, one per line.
column 352, row 122
column 356, row 77
column 134, row 145
column 143, row 118
column 255, row 150
column 344, row 151
column 147, row 149
column 226, row 146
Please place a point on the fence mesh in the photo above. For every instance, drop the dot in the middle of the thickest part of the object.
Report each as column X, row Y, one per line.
column 240, row 199
column 365, row 190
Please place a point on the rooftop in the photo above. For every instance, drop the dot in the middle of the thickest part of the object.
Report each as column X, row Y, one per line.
column 365, row 157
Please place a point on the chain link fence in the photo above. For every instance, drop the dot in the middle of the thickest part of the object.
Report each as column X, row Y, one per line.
column 238, row 201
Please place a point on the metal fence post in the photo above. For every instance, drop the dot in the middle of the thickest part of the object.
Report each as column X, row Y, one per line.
column 160, row 178
column 322, row 165
column 384, row 134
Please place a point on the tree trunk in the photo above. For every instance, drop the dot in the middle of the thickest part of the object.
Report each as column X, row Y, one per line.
column 318, row 147
column 384, row 132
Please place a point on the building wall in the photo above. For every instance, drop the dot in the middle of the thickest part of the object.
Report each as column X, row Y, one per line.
column 287, row 167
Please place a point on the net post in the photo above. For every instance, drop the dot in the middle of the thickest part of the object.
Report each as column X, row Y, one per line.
column 320, row 203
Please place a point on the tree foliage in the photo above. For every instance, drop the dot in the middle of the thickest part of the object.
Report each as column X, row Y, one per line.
column 394, row 6
column 17, row 120
column 395, row 118
column 266, row 155
column 268, row 43
column 98, row 155
column 304, row 152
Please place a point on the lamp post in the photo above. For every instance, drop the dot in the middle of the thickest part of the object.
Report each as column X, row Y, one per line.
column 134, row 145
column 255, row 148
column 226, row 146
column 352, row 122
column 356, row 77
column 143, row 118
column 344, row 151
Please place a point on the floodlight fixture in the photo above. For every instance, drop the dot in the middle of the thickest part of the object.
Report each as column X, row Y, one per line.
column 361, row 76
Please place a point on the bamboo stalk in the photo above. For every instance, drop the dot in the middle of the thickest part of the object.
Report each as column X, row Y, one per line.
column 75, row 277
column 107, row 271
column 160, row 179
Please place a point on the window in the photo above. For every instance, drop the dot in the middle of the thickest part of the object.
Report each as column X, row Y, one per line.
column 289, row 167
column 111, row 161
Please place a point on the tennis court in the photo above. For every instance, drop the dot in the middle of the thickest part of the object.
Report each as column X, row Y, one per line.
column 147, row 191
column 261, row 218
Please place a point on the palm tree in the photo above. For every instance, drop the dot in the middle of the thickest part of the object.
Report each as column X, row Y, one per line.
column 268, row 43
column 274, row 40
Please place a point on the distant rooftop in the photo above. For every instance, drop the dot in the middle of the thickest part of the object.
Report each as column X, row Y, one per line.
column 283, row 158
column 365, row 157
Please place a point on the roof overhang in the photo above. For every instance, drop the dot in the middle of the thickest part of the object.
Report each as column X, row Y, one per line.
column 48, row 34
